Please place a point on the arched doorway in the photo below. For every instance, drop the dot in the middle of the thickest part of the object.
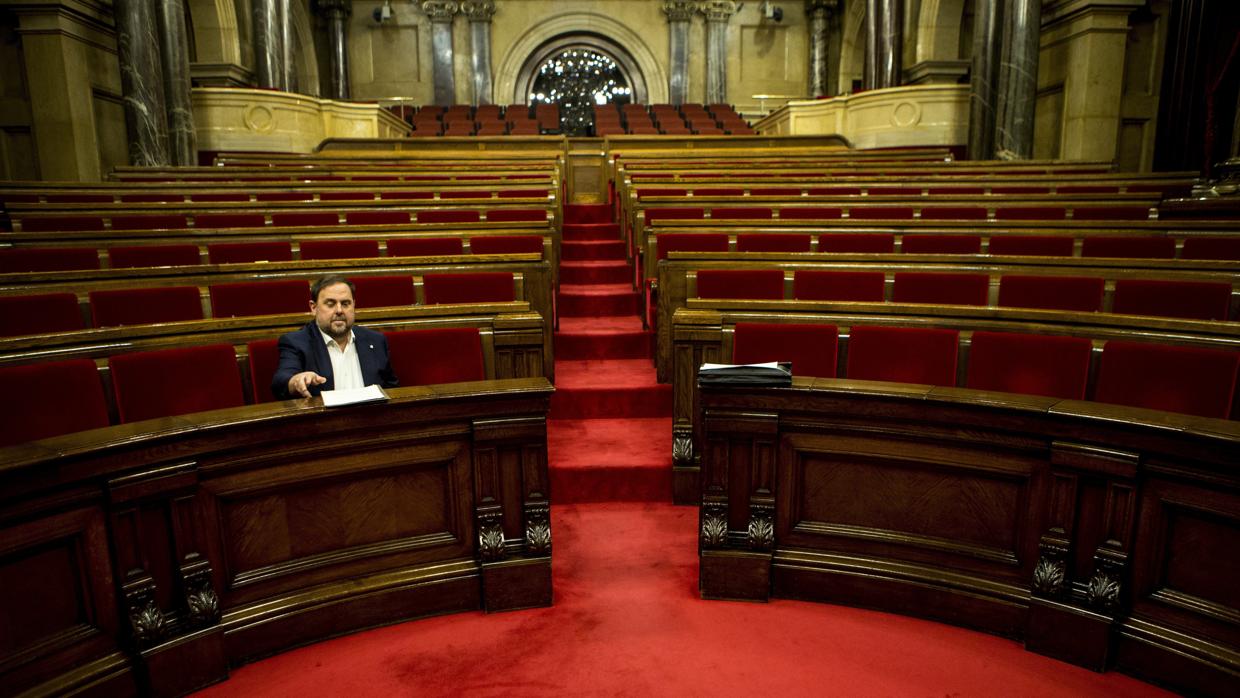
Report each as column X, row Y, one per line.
column 577, row 71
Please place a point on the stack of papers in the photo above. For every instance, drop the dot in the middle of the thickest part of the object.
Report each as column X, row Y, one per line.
column 770, row 374
column 337, row 398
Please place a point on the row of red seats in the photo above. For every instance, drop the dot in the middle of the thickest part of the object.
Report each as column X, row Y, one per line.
column 34, row 259
column 59, row 312
column 1190, row 380
column 484, row 120
column 1197, row 300
column 50, row 399
column 1108, row 246
column 662, row 119
column 195, row 195
column 1167, row 189
column 927, row 211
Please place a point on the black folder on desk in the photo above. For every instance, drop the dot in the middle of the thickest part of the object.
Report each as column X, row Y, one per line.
column 774, row 374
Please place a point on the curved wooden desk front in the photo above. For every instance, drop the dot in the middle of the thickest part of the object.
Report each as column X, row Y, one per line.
column 1102, row 535
column 147, row 558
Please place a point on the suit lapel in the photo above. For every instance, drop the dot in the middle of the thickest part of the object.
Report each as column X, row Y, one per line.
column 366, row 357
column 321, row 358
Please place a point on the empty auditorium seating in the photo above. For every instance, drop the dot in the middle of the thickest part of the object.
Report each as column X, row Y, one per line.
column 1040, row 245
column 446, row 355
column 50, row 399
column 479, row 287
column 175, row 381
column 153, row 256
column 17, row 259
column 902, row 354
column 142, row 306
column 506, row 244
column 1195, row 300
column 339, row 249
column 773, row 242
column 942, row 288
column 756, row 284
column 418, row 247
column 811, row 348
column 688, row 242
column 247, row 252
column 942, row 244
column 1029, row 364
column 263, row 358
column 39, row 313
column 856, row 286
column 1190, row 380
column 1142, row 247
column 857, row 243
column 259, row 298
column 383, row 291
column 1052, row 292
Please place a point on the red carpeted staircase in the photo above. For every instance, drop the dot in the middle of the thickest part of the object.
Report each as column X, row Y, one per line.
column 609, row 432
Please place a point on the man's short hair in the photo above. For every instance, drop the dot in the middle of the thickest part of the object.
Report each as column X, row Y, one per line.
column 329, row 280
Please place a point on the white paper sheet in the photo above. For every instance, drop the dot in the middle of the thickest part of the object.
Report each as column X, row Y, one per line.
column 337, row 398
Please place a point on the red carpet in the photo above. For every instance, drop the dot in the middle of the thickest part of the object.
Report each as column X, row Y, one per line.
column 627, row 622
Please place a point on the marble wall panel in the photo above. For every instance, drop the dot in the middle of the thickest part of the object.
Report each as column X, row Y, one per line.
column 893, row 117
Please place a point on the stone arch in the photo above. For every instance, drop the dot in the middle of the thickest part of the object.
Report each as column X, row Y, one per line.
column 217, row 36
column 303, row 55
column 508, row 85
column 593, row 42
column 852, row 47
column 938, row 35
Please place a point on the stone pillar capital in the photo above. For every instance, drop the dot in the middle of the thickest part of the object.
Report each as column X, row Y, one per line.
column 827, row 6
column 680, row 10
column 333, row 8
column 440, row 10
column 718, row 10
column 478, row 10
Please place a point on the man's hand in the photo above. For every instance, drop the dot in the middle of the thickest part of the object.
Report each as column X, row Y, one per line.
column 300, row 383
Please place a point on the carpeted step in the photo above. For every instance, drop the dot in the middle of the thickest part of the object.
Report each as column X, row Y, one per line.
column 591, row 250
column 610, row 460
column 578, row 300
column 607, row 271
column 587, row 213
column 617, row 337
column 590, row 231
column 615, row 388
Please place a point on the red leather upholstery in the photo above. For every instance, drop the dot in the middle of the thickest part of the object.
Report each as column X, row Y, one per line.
column 154, row 256
column 505, row 244
column 259, row 298
column 857, row 243
column 1196, row 300
column 1078, row 293
column 339, row 249
column 248, row 252
column 856, row 286
column 941, row 244
column 773, row 242
column 421, row 247
column 50, row 399
column 476, row 287
column 757, row 284
column 263, row 358
column 810, row 348
column 19, row 259
column 903, row 354
column 45, row 312
column 941, row 288
column 383, row 291
column 175, row 381
column 1033, row 245
column 1137, row 247
column 690, row 242
column 446, row 355
column 1029, row 364
column 144, row 306
column 1191, row 380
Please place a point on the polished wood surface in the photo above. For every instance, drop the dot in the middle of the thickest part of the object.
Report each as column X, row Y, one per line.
column 1098, row 534
column 150, row 557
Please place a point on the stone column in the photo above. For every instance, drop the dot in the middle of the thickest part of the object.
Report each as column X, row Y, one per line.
column 336, row 12
column 480, row 13
column 142, row 85
column 268, row 44
column 182, row 149
column 984, row 82
column 286, row 44
column 717, row 12
column 819, row 13
column 1018, row 80
column 678, row 12
column 441, row 13
column 884, row 41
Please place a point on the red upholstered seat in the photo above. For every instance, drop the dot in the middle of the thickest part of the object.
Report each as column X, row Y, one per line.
column 506, row 244
column 1029, row 364
column 773, row 242
column 934, row 287
column 1136, row 247
column 36, row 314
column 810, row 348
column 1077, row 293
column 259, row 298
column 405, row 195
column 383, row 291
column 941, row 244
column 339, row 249
column 422, row 247
column 903, row 354
column 1191, row 380
column 834, row 191
column 674, row 213
column 810, row 213
column 175, row 381
column 881, row 213
column 856, row 286
column 150, row 222
column 1030, row 213
column 1196, row 300
column 229, row 220
column 249, row 252
column 1035, row 245
column 857, row 243
column 1211, row 248
column 143, row 306
column 644, row 193
column 756, row 284
column 719, row 191
column 154, row 256
column 377, row 218
column 746, row 213
column 346, row 196
column 19, row 259
column 305, row 219
column 776, row 191
column 446, row 355
column 263, row 357
column 50, row 399
column 477, row 287
column 522, row 193
column 1110, row 213
column 448, row 217
column 44, row 224
column 468, row 194
column 953, row 213
column 690, row 242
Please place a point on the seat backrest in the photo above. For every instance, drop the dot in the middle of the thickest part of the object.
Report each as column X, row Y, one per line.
column 672, row 213
column 1032, row 245
column 756, row 284
column 811, row 348
column 690, row 242
column 505, row 244
column 263, row 356
column 449, row 216
column 20, row 259
column 339, row 249
column 1192, row 380
column 441, row 355
column 855, row 286
column 422, row 247
column 145, row 306
column 1077, row 293
column 903, row 354
column 45, row 312
column 857, row 243
column 773, row 242
column 1029, row 364
column 1136, row 247
column 475, row 287
column 50, row 399
column 259, row 298
column 1196, row 300
column 941, row 244
column 383, row 291
column 1211, row 248
column 943, row 288
column 249, row 252
column 153, row 256
column 170, row 382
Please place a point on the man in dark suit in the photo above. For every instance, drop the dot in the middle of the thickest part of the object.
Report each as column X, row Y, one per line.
column 329, row 353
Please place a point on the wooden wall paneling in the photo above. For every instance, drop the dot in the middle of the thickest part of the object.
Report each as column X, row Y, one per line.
column 693, row 347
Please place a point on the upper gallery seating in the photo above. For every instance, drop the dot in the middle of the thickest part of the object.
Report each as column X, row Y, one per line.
column 483, row 120
column 668, row 119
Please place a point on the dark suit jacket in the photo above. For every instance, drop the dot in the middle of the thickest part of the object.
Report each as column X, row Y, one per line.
column 304, row 350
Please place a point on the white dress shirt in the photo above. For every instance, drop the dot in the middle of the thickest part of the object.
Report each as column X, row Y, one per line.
column 346, row 367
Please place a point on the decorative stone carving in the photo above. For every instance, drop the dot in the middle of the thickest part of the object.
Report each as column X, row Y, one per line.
column 440, row 10
column 718, row 10
column 714, row 525
column 682, row 449
column 478, row 10
column 146, row 621
column 538, row 529
column 680, row 10
column 491, row 536
column 761, row 533
column 200, row 599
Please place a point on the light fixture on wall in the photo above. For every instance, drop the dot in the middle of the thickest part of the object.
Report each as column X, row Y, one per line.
column 772, row 12
column 383, row 13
